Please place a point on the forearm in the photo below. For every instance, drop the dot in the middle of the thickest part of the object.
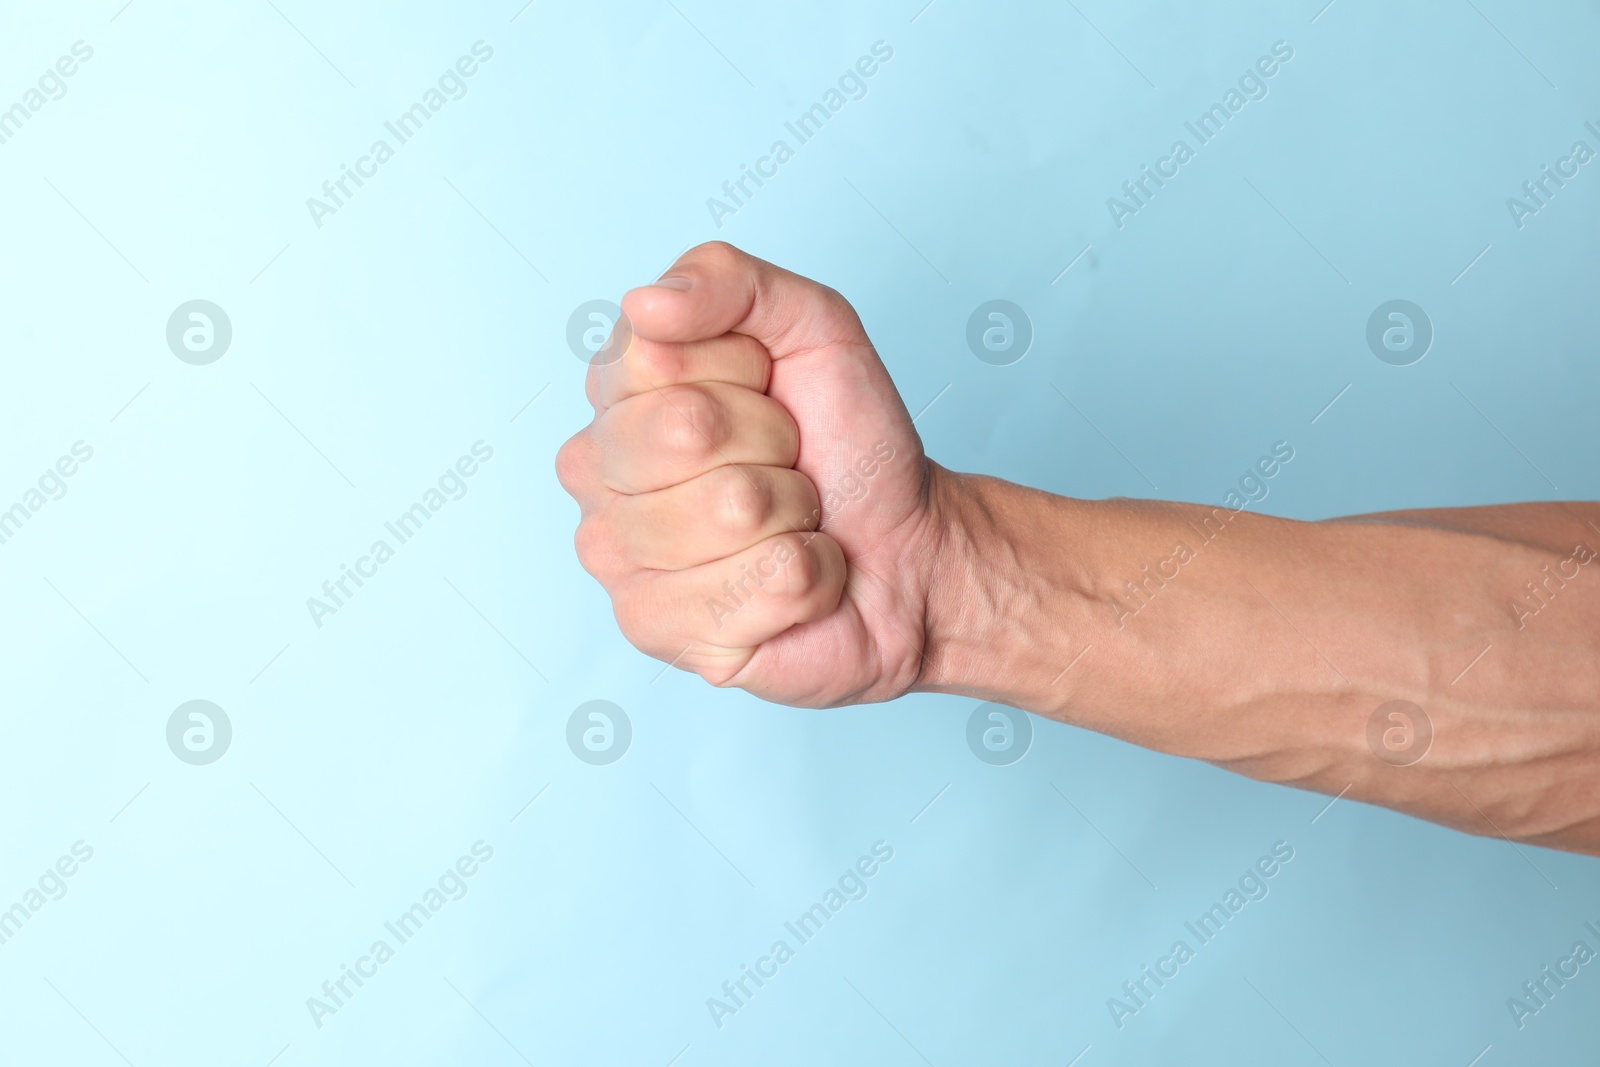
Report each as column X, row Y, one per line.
column 1265, row 645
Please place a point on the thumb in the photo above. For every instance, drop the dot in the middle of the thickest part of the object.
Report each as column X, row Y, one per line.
column 715, row 288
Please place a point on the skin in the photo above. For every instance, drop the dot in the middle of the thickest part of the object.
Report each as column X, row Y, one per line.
column 758, row 506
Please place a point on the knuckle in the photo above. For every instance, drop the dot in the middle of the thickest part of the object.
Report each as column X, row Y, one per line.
column 596, row 545
column 719, row 254
column 802, row 567
column 690, row 422
column 591, row 543
column 829, row 294
column 570, row 466
column 839, row 304
column 637, row 617
column 743, row 501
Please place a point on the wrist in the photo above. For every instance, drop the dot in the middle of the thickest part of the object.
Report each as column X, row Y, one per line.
column 1007, row 608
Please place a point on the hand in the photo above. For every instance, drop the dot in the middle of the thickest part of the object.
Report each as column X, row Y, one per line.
column 755, row 499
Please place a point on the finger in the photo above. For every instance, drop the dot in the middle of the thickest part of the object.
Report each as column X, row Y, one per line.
column 733, row 604
column 578, row 470
column 666, row 436
column 719, row 514
column 715, row 288
column 645, row 365
column 617, row 342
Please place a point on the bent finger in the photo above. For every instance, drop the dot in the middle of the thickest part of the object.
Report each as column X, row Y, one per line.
column 718, row 514
column 734, row 358
column 730, row 606
column 657, row 439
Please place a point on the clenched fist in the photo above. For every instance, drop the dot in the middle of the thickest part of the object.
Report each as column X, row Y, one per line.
column 759, row 507
column 754, row 496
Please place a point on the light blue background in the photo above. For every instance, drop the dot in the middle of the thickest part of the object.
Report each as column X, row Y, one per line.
column 369, row 353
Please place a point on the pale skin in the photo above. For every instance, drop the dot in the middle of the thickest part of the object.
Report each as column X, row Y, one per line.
column 758, row 506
